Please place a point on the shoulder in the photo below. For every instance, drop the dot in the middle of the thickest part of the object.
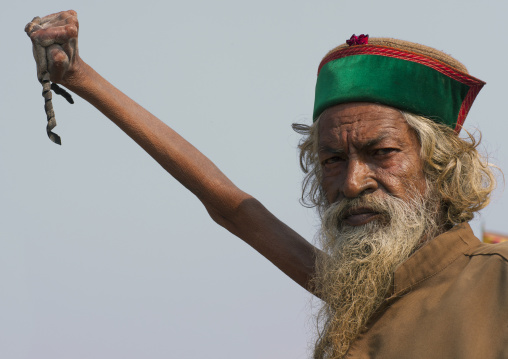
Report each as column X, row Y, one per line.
column 473, row 247
column 487, row 271
column 499, row 250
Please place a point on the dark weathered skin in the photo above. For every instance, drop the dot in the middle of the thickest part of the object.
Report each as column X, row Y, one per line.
column 368, row 148
column 40, row 46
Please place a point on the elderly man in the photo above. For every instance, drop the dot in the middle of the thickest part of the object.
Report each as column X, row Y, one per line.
column 400, row 272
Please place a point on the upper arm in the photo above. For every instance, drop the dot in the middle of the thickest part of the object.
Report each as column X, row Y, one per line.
column 277, row 242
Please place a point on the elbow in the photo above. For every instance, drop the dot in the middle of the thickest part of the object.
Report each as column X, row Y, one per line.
column 230, row 216
column 218, row 217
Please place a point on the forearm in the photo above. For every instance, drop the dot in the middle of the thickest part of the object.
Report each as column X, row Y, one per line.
column 177, row 156
column 233, row 209
column 282, row 246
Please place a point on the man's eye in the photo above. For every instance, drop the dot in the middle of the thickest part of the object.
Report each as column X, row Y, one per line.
column 384, row 151
column 331, row 160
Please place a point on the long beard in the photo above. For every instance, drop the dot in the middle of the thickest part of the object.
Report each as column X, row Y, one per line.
column 354, row 278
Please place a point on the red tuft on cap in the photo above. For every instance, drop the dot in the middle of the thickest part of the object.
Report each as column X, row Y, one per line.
column 358, row 40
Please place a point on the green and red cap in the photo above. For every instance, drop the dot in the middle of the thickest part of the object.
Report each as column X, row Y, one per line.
column 408, row 76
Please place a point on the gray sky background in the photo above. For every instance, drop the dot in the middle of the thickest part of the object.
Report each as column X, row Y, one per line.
column 104, row 255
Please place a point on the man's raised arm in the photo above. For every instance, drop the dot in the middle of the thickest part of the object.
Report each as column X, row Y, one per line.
column 230, row 207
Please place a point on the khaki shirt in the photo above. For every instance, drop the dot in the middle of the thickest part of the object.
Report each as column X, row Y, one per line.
column 449, row 300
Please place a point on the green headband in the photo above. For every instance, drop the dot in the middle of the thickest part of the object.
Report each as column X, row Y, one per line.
column 394, row 77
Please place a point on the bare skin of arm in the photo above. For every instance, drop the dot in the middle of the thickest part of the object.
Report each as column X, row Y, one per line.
column 235, row 210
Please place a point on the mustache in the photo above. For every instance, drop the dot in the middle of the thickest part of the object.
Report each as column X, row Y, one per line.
column 366, row 203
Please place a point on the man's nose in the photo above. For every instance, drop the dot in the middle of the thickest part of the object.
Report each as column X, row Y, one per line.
column 358, row 179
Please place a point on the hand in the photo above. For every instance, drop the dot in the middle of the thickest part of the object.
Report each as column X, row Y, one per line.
column 55, row 45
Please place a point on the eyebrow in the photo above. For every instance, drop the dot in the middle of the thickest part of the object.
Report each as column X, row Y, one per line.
column 331, row 150
column 374, row 141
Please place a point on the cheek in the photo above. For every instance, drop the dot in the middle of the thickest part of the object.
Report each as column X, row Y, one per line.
column 328, row 185
column 403, row 176
column 331, row 182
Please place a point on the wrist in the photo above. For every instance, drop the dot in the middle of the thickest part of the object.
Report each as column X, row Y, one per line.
column 74, row 77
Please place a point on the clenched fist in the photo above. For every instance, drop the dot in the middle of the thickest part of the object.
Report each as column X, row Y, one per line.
column 55, row 45
column 55, row 49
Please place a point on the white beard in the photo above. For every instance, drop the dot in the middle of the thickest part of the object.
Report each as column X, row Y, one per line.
column 355, row 276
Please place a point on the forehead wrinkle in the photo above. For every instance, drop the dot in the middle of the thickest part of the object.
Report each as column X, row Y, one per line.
column 357, row 138
column 356, row 123
column 340, row 126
